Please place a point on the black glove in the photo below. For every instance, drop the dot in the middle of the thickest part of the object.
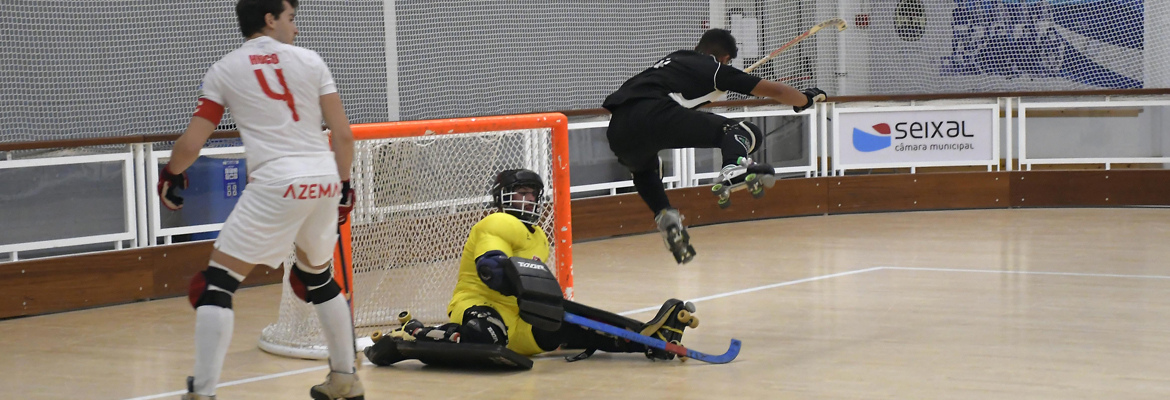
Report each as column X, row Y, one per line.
column 814, row 95
column 167, row 184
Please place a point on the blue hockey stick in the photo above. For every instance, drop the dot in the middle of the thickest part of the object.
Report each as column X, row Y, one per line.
column 724, row 358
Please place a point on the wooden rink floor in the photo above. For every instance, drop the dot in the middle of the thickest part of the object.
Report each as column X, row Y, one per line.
column 980, row 304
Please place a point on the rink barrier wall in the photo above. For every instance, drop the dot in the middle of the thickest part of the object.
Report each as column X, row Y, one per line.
column 69, row 283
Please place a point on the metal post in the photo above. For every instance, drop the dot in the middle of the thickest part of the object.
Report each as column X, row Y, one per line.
column 150, row 168
column 1008, row 133
column 824, row 116
column 390, row 21
column 140, row 194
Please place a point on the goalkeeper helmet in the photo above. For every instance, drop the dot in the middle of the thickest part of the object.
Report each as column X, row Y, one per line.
column 525, row 205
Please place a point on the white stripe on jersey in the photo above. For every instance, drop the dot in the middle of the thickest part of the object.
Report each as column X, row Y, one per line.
column 704, row 99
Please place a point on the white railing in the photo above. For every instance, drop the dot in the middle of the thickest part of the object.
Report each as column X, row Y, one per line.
column 1026, row 162
column 673, row 180
column 809, row 170
column 143, row 221
column 156, row 230
column 130, row 228
column 684, row 172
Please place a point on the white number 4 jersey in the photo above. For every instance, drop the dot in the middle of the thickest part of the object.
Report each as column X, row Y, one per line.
column 273, row 91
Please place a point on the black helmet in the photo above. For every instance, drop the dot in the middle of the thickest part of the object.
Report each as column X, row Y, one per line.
column 507, row 182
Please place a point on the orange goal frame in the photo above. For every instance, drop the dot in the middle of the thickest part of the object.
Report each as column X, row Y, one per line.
column 563, row 218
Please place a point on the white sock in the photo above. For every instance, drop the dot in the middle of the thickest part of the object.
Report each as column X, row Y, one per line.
column 213, row 334
column 337, row 324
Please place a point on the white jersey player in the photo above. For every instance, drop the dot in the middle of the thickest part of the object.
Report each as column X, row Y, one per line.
column 278, row 95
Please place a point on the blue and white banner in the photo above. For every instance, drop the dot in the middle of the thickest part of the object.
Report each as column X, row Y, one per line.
column 916, row 136
column 932, row 46
column 1093, row 42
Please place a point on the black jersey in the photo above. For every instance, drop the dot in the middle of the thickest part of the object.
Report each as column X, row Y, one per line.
column 690, row 78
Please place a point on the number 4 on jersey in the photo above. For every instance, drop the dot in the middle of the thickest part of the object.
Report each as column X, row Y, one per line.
column 287, row 96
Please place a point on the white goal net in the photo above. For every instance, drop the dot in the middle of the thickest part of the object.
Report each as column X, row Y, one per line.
column 418, row 197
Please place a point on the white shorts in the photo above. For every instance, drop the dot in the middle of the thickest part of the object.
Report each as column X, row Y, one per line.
column 272, row 216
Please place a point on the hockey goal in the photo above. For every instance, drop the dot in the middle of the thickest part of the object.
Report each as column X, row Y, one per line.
column 421, row 185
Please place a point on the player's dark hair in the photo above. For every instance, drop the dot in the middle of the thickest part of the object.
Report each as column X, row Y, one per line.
column 251, row 13
column 718, row 42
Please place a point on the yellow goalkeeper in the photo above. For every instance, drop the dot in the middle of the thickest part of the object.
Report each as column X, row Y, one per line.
column 503, row 260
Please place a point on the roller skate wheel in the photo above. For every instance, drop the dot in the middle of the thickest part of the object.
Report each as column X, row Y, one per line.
column 685, row 317
column 690, row 254
column 717, row 188
column 376, row 336
column 768, row 180
column 404, row 317
column 757, row 191
column 724, row 203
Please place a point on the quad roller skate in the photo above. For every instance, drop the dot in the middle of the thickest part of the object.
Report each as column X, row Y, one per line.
column 675, row 234
column 405, row 331
column 668, row 325
column 745, row 174
column 387, row 353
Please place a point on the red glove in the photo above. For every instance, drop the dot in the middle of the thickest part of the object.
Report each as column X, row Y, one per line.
column 167, row 184
column 346, row 205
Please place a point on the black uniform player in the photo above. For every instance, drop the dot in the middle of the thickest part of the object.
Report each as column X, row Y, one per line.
column 654, row 111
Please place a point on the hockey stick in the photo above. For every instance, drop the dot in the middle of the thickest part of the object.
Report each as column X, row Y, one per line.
column 732, row 351
column 347, row 287
column 836, row 22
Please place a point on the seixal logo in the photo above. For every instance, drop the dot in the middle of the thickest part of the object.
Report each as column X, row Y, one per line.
column 866, row 142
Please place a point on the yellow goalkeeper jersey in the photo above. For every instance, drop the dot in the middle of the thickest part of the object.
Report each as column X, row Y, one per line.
column 497, row 231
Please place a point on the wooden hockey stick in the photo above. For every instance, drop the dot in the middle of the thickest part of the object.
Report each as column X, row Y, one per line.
column 836, row 22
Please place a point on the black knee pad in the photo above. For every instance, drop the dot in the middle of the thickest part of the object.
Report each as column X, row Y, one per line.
column 313, row 288
column 482, row 324
column 745, row 133
column 199, row 292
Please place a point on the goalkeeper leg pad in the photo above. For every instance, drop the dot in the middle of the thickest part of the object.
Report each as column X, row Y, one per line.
column 390, row 350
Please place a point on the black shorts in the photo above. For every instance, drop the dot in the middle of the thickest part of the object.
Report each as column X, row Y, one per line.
column 639, row 129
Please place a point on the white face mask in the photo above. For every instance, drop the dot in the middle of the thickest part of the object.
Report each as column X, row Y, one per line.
column 525, row 206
